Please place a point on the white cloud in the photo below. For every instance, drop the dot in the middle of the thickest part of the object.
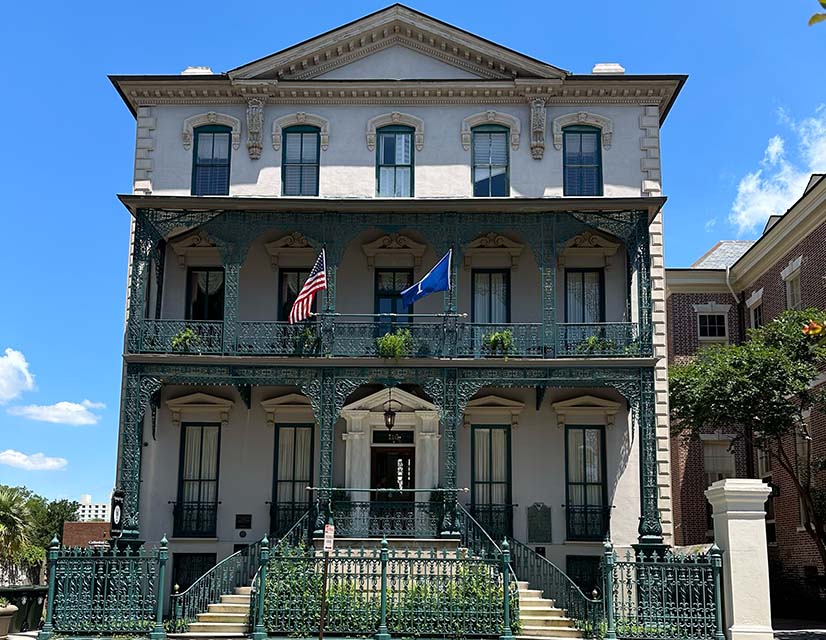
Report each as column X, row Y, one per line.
column 779, row 181
column 15, row 377
column 31, row 462
column 710, row 224
column 61, row 412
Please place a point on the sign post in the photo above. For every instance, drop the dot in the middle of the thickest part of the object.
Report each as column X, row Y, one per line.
column 329, row 538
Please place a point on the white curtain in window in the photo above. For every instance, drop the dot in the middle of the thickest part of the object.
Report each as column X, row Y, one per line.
column 499, row 470
column 482, row 466
column 210, row 281
column 209, row 465
column 303, row 438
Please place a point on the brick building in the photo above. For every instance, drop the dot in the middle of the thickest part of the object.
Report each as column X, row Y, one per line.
column 735, row 286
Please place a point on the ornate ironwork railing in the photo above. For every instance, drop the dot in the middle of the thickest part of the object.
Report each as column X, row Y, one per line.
column 105, row 591
column 444, row 338
column 665, row 596
column 195, row 519
column 233, row 571
column 496, row 519
column 182, row 336
column 587, row 522
column 603, row 339
column 395, row 519
column 284, row 515
column 587, row 613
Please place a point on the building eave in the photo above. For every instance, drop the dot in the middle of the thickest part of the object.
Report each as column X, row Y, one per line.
column 695, row 281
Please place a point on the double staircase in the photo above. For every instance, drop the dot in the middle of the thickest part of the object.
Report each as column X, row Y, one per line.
column 540, row 617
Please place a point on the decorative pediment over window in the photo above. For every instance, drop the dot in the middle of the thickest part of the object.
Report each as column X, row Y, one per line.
column 583, row 118
column 294, row 245
column 494, row 409
column 212, row 117
column 592, row 246
column 494, row 244
column 712, row 307
column 195, row 246
column 292, row 407
column 200, row 406
column 586, row 407
column 395, row 118
column 491, row 117
column 301, row 118
column 394, row 244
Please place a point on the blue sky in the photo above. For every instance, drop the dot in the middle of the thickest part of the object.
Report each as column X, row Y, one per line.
column 746, row 131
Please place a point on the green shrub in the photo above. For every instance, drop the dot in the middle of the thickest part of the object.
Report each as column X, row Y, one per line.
column 596, row 344
column 186, row 340
column 498, row 342
column 396, row 345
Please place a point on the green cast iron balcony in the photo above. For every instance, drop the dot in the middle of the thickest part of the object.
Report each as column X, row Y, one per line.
column 395, row 519
column 442, row 337
column 587, row 522
column 195, row 519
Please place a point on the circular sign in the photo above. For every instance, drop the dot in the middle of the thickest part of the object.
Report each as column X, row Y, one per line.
column 116, row 515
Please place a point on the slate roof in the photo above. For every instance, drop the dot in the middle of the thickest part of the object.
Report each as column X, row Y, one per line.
column 723, row 254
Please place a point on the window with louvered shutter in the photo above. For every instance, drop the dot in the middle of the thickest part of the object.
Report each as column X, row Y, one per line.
column 394, row 162
column 582, row 158
column 211, row 157
column 490, row 162
column 300, row 160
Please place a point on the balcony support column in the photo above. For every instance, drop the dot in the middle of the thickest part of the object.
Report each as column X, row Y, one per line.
column 640, row 256
column 143, row 247
column 547, row 269
column 650, row 528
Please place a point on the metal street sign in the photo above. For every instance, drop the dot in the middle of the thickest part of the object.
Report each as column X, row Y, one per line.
column 116, row 515
column 329, row 536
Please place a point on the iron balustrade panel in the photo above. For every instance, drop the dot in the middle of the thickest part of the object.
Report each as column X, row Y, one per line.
column 182, row 336
column 665, row 597
column 599, row 339
column 495, row 519
column 105, row 591
column 233, row 571
column 359, row 338
column 284, row 515
column 195, row 519
column 587, row 613
column 279, row 338
column 429, row 593
column 587, row 522
column 394, row 519
column 511, row 340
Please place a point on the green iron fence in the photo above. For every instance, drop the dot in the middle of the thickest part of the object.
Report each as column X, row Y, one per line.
column 664, row 596
column 600, row 339
column 105, row 591
column 393, row 518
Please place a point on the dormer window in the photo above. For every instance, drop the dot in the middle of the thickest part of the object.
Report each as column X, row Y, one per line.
column 490, row 161
column 211, row 161
column 582, row 161
column 394, row 162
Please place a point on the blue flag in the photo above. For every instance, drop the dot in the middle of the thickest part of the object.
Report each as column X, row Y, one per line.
column 437, row 279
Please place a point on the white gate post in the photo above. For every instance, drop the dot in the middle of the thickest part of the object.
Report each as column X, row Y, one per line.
column 740, row 531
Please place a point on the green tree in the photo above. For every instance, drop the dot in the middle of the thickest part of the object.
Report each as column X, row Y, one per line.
column 760, row 390
column 15, row 523
column 818, row 17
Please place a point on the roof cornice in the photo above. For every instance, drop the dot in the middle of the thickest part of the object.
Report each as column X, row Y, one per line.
column 695, row 281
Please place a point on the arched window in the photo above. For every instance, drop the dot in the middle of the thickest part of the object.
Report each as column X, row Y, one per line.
column 299, row 161
column 491, row 161
column 210, row 160
column 394, row 162
column 582, row 161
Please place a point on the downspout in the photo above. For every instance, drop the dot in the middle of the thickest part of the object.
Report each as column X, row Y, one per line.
column 728, row 284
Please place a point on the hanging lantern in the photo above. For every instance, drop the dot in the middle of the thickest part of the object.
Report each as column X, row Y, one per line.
column 389, row 414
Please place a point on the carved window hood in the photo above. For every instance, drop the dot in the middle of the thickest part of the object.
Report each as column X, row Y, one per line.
column 200, row 406
column 294, row 245
column 493, row 409
column 195, row 247
column 292, row 407
column 591, row 246
column 394, row 245
column 588, row 409
column 496, row 245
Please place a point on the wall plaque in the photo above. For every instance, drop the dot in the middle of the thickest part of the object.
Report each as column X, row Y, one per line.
column 539, row 523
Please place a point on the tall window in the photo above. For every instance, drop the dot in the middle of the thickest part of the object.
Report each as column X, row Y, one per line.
column 293, row 473
column 803, row 459
column 291, row 281
column 582, row 161
column 394, row 162
column 389, row 285
column 491, row 478
column 299, row 162
column 490, row 161
column 793, row 298
column 211, row 156
column 585, row 508
column 198, row 480
column 718, row 464
column 757, row 315
column 712, row 326
column 764, row 472
column 205, row 294
column 584, row 295
column 491, row 296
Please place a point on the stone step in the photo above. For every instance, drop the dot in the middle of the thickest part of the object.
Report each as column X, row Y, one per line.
column 552, row 612
column 543, row 637
column 523, row 584
column 235, row 599
column 183, row 636
column 236, row 618
column 217, row 627
column 530, row 593
column 556, row 632
column 243, row 591
column 451, row 544
column 545, row 621
column 220, row 607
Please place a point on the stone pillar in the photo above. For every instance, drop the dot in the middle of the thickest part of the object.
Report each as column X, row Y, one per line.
column 740, row 532
column 357, row 453
column 427, row 452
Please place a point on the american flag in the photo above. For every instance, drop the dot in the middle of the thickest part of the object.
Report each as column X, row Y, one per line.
column 316, row 281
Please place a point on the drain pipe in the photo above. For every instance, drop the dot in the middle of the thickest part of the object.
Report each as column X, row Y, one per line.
column 728, row 284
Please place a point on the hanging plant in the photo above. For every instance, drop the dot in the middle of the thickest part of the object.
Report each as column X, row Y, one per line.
column 396, row 345
column 186, row 340
column 498, row 342
column 307, row 341
column 596, row 344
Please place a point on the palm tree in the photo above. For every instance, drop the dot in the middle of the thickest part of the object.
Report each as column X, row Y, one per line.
column 15, row 523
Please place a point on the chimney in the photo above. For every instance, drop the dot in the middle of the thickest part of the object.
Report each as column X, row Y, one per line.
column 197, row 71
column 607, row 68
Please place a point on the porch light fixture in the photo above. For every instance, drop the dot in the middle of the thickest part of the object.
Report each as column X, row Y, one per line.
column 389, row 414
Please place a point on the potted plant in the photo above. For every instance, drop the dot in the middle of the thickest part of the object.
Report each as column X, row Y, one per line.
column 396, row 345
column 307, row 341
column 498, row 342
column 186, row 340
column 7, row 611
column 596, row 344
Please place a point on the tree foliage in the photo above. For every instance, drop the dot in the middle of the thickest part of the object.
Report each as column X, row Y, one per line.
column 760, row 390
column 818, row 17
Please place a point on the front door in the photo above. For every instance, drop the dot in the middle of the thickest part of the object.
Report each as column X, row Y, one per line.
column 392, row 506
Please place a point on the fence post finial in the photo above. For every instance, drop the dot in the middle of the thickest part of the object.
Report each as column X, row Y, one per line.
column 159, row 633
column 48, row 626
column 259, row 587
column 608, row 560
column 383, row 633
column 507, row 632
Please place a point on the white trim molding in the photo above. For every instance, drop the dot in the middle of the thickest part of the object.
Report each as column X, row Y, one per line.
column 755, row 298
column 495, row 409
column 292, row 407
column 584, row 118
column 497, row 245
column 198, row 405
column 712, row 307
column 586, row 407
column 491, row 117
column 792, row 269
column 394, row 245
column 195, row 246
column 589, row 245
column 301, row 118
column 395, row 118
column 211, row 117
column 293, row 244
